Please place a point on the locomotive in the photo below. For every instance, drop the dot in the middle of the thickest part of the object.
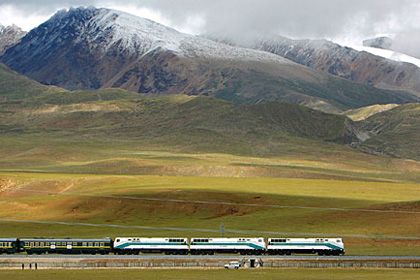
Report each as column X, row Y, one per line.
column 174, row 246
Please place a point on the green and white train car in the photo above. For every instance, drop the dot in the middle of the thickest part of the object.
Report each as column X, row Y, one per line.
column 244, row 246
column 137, row 245
column 320, row 246
column 66, row 246
column 9, row 245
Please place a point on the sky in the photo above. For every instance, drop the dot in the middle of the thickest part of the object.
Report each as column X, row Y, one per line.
column 346, row 21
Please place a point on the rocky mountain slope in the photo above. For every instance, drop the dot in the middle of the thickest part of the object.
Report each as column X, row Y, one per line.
column 89, row 48
column 358, row 66
column 395, row 132
column 9, row 36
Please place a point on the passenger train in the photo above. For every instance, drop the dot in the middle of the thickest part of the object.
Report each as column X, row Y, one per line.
column 174, row 246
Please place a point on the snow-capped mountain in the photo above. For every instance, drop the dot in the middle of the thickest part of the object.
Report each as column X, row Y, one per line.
column 379, row 43
column 389, row 54
column 89, row 48
column 109, row 29
column 9, row 36
column 372, row 66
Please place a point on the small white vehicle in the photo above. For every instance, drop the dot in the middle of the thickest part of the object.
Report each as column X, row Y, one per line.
column 233, row 265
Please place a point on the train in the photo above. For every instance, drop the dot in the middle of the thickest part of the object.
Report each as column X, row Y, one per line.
column 174, row 246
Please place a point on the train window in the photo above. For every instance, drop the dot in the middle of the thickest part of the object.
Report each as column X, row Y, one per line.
column 47, row 243
column 102, row 244
column 118, row 240
column 84, row 244
column 338, row 241
column 90, row 244
column 96, row 244
column 176, row 240
column 41, row 244
column 32, row 244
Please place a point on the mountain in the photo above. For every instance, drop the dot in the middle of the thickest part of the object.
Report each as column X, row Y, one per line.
column 9, row 36
column 389, row 54
column 358, row 66
column 199, row 123
column 379, row 43
column 192, row 123
column 89, row 48
column 394, row 132
column 403, row 45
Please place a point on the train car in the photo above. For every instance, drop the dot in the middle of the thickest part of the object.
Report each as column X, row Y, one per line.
column 137, row 245
column 320, row 246
column 66, row 246
column 9, row 245
column 243, row 246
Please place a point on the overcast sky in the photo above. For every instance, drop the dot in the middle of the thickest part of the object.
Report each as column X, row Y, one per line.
column 341, row 20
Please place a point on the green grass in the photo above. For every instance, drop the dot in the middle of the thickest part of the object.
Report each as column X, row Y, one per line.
column 283, row 274
column 126, row 201
column 396, row 132
column 363, row 113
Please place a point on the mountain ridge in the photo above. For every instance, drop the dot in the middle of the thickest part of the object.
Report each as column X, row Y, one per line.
column 348, row 63
column 83, row 48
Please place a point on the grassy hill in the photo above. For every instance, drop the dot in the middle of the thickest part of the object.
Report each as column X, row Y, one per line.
column 188, row 123
column 395, row 132
column 363, row 113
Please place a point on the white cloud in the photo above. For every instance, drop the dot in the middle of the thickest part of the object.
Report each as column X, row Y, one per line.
column 10, row 14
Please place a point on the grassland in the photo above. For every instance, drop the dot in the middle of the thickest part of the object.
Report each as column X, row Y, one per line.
column 285, row 274
column 195, row 205
column 110, row 162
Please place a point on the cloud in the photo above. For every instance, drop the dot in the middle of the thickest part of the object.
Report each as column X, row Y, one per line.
column 335, row 19
column 10, row 14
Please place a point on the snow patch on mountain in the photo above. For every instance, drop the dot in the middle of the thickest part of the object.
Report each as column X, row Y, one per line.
column 140, row 36
column 9, row 36
column 392, row 55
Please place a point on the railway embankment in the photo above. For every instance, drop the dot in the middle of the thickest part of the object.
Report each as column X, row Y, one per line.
column 149, row 262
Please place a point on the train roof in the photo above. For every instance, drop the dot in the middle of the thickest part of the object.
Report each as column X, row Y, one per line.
column 227, row 238
column 67, row 239
column 8, row 239
column 137, row 237
column 308, row 238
